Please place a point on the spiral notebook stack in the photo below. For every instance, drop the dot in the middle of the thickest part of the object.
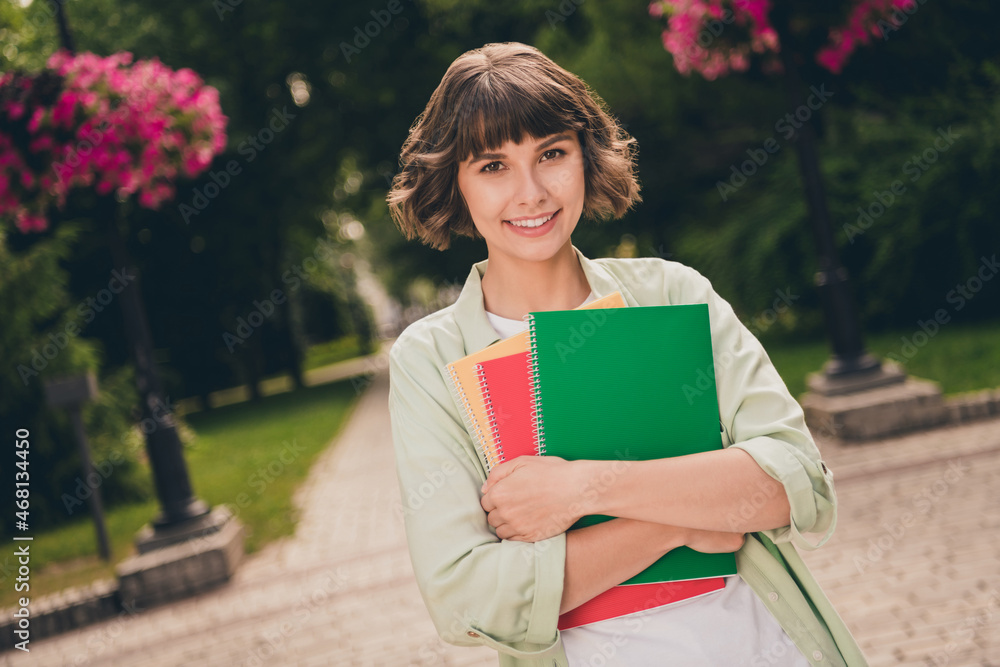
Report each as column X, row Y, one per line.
column 606, row 384
column 466, row 383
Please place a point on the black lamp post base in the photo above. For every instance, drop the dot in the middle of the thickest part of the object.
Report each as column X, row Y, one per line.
column 192, row 508
column 839, row 366
column 158, row 535
column 859, row 374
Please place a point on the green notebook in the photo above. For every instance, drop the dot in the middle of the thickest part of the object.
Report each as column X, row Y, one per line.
column 634, row 384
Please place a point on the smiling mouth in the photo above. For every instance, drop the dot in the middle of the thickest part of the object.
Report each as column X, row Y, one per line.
column 532, row 222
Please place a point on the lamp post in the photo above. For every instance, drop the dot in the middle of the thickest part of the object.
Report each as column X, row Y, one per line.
column 178, row 504
column 850, row 367
column 855, row 396
column 188, row 547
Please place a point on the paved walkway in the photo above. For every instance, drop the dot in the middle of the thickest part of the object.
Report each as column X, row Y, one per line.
column 913, row 567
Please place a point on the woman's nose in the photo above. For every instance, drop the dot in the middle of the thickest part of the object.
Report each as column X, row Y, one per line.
column 530, row 188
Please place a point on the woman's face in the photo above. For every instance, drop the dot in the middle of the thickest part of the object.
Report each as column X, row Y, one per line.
column 526, row 199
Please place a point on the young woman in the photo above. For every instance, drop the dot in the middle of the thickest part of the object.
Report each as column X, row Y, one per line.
column 514, row 149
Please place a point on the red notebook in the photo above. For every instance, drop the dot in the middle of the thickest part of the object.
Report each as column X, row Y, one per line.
column 505, row 385
column 506, row 389
column 622, row 600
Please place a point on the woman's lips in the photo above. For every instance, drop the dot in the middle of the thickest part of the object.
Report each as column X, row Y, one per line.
column 534, row 231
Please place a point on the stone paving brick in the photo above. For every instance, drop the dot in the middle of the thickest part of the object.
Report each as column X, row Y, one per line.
column 341, row 591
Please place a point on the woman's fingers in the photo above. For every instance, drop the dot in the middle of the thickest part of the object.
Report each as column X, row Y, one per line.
column 487, row 503
column 498, row 473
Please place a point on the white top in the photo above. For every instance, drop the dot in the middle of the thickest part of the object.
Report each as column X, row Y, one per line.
column 729, row 627
column 507, row 327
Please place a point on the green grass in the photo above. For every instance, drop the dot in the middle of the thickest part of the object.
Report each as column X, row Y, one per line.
column 959, row 357
column 330, row 352
column 251, row 456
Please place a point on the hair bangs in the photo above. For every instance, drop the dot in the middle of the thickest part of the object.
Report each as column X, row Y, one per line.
column 497, row 110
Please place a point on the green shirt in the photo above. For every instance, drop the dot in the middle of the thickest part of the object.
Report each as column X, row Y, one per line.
column 481, row 590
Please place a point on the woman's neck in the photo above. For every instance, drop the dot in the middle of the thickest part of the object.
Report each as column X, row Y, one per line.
column 514, row 289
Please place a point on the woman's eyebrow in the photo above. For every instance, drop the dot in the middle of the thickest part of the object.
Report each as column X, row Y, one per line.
column 500, row 156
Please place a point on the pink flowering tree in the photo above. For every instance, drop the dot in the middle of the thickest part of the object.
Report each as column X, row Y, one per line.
column 799, row 42
column 118, row 128
column 715, row 37
column 102, row 123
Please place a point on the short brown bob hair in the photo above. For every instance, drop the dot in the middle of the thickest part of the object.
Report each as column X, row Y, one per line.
column 491, row 95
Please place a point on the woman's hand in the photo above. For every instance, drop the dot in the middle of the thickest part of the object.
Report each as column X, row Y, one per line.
column 533, row 498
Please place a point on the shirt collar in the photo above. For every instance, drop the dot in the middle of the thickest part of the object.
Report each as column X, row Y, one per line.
column 470, row 313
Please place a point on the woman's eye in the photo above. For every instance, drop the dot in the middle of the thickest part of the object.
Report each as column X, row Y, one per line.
column 552, row 153
column 488, row 167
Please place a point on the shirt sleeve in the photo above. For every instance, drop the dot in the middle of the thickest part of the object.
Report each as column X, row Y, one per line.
column 761, row 417
column 479, row 590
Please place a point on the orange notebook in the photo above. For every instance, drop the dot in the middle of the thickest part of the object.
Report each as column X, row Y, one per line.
column 465, row 384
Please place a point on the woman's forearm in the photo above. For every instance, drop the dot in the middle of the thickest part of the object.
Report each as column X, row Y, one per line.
column 602, row 556
column 722, row 490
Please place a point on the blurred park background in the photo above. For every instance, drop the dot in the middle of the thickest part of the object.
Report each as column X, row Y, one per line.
column 303, row 215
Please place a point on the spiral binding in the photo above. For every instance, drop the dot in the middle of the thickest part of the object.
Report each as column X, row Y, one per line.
column 537, row 422
column 494, row 454
column 471, row 425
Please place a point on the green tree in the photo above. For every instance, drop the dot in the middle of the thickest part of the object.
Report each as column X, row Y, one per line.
column 40, row 340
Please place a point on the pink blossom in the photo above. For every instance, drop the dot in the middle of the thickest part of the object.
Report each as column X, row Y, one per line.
column 36, row 119
column 41, row 143
column 15, row 110
column 867, row 19
column 695, row 47
column 30, row 222
column 696, row 43
column 110, row 106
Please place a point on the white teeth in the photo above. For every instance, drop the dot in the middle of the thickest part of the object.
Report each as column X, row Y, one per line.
column 535, row 222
